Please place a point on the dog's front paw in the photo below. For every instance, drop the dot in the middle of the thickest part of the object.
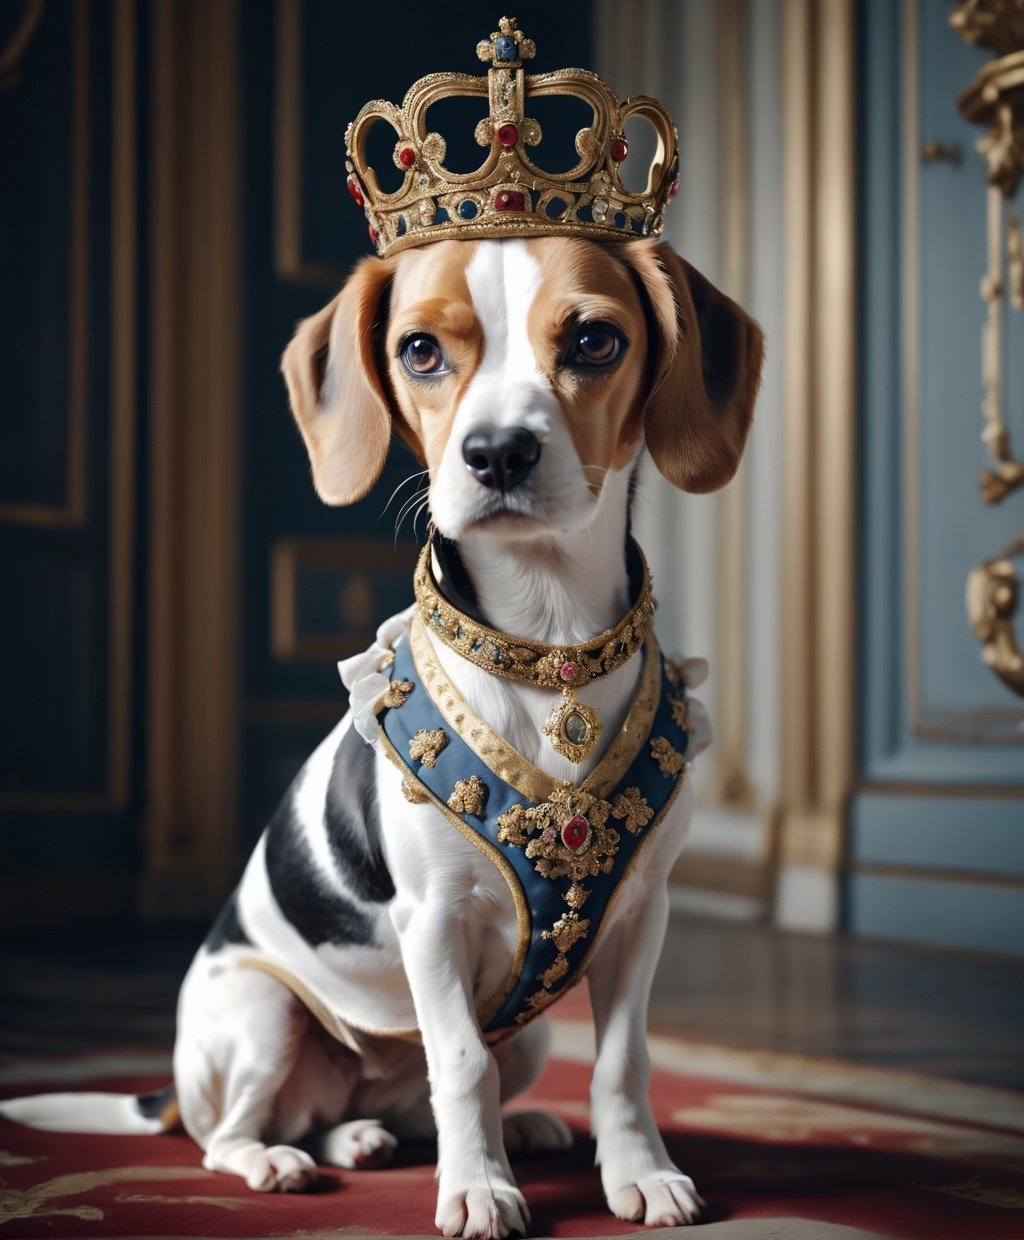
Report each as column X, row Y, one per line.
column 663, row 1199
column 489, row 1213
column 360, row 1145
column 281, row 1169
column 534, row 1132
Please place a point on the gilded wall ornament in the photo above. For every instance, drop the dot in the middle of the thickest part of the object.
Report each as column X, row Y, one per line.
column 995, row 99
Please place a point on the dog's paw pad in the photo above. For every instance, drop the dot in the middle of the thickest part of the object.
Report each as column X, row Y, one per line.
column 665, row 1199
column 360, row 1145
column 534, row 1132
column 281, row 1169
column 483, row 1214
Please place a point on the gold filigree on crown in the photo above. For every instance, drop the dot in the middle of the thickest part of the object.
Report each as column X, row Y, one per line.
column 509, row 195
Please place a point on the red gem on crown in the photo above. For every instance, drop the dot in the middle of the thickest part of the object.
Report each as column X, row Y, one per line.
column 618, row 148
column 509, row 200
column 407, row 157
column 508, row 135
column 568, row 671
column 355, row 191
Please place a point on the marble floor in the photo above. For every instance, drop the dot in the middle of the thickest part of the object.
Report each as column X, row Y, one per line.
column 958, row 1016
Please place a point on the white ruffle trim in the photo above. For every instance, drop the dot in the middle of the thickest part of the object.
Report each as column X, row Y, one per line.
column 364, row 675
column 694, row 672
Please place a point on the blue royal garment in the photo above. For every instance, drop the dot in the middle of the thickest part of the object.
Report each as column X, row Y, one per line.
column 564, row 851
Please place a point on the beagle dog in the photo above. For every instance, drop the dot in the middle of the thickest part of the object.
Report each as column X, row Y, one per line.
column 337, row 1005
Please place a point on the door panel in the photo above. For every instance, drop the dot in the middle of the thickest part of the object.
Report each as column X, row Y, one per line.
column 70, row 444
column 936, row 846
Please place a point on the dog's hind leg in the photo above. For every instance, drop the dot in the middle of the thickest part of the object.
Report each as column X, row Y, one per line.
column 520, row 1062
column 240, row 1037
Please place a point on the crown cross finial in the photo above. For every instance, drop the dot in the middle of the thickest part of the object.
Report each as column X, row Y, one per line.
column 507, row 45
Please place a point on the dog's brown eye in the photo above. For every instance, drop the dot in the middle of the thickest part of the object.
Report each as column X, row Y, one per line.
column 422, row 355
column 595, row 345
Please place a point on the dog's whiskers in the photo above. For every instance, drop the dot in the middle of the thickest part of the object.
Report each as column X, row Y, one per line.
column 414, row 504
column 405, row 481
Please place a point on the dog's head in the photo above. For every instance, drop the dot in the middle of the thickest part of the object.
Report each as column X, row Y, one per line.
column 523, row 373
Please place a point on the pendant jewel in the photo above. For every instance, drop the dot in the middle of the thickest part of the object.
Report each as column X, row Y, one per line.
column 572, row 728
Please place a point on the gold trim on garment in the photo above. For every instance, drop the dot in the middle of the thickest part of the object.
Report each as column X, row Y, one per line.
column 535, row 663
column 507, row 762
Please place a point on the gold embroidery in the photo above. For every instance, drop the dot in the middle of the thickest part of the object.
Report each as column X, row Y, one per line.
column 414, row 792
column 534, row 662
column 426, row 744
column 567, row 931
column 554, row 972
column 680, row 712
column 535, row 1004
column 469, row 796
column 397, row 694
column 576, row 896
column 631, row 806
column 670, row 761
column 539, row 827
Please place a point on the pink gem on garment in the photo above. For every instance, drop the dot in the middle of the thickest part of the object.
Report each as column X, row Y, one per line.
column 575, row 833
column 568, row 671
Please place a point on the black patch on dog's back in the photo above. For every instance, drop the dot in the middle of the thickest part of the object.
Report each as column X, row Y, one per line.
column 227, row 928
column 352, row 819
column 317, row 911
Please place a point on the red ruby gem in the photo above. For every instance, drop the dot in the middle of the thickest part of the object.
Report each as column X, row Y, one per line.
column 674, row 189
column 618, row 148
column 575, row 833
column 568, row 671
column 356, row 192
column 508, row 135
column 373, row 235
column 509, row 200
column 407, row 157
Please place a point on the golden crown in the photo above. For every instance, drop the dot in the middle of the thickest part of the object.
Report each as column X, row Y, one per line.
column 509, row 195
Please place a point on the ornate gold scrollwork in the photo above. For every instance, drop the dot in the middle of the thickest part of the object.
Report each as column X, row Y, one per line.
column 992, row 596
column 10, row 56
column 995, row 99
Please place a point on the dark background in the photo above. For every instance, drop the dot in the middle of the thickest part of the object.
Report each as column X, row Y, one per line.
column 174, row 597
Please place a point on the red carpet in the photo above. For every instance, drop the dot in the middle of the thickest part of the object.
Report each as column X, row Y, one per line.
column 765, row 1137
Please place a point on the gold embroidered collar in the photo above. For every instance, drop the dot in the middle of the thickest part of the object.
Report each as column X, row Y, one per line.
column 517, row 658
column 572, row 727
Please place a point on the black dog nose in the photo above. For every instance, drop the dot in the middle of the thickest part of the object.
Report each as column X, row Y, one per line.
column 501, row 457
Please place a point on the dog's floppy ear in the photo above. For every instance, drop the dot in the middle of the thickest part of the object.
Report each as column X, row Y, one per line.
column 337, row 393
column 707, row 369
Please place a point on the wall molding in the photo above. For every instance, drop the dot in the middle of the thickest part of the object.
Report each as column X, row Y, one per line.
column 195, row 429
column 820, row 460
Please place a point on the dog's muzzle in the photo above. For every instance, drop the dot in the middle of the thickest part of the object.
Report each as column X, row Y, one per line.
column 501, row 457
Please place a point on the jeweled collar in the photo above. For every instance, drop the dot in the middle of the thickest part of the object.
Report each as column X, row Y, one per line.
column 533, row 662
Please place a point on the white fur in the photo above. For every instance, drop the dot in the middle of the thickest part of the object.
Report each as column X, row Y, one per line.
column 252, row 1080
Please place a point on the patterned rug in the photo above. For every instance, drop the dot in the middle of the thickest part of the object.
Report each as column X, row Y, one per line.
column 782, row 1148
